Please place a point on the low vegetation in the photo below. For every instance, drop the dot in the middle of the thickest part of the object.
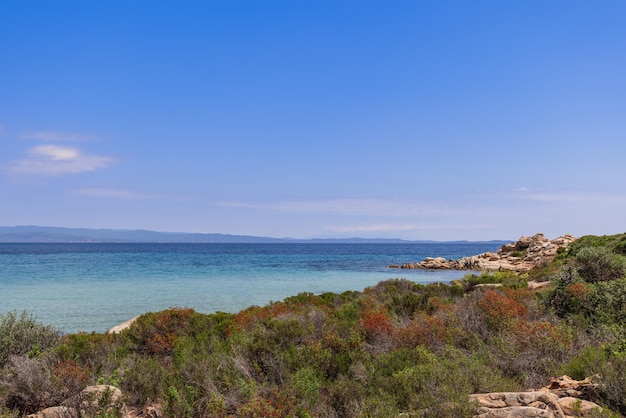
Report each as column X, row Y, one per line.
column 392, row 348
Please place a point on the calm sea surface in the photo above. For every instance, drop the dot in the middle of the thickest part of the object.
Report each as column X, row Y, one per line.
column 92, row 287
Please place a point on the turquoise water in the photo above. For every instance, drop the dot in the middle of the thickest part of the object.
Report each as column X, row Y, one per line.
column 92, row 287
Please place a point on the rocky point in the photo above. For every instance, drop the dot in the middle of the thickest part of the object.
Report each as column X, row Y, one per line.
column 519, row 256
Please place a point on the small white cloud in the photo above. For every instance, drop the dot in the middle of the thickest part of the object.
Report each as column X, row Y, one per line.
column 117, row 193
column 56, row 136
column 57, row 159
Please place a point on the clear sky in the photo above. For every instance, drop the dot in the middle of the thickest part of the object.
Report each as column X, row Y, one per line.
column 409, row 119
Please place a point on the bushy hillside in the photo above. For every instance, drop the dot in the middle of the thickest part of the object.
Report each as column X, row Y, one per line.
column 392, row 348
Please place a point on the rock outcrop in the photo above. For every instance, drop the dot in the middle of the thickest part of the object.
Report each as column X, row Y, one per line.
column 93, row 400
column 99, row 400
column 564, row 397
column 520, row 256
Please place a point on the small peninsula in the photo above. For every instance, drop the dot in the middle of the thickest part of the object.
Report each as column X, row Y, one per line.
column 520, row 256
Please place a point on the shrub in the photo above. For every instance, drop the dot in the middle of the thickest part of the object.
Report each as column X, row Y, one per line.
column 423, row 330
column 307, row 384
column 276, row 404
column 608, row 370
column 608, row 302
column 69, row 377
column 22, row 334
column 376, row 323
column 602, row 302
column 500, row 309
column 27, row 387
column 157, row 333
column 424, row 384
column 595, row 264
column 143, row 379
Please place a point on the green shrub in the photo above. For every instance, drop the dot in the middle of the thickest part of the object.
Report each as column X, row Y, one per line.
column 307, row 384
column 596, row 264
column 423, row 383
column 22, row 334
column 143, row 379
column 609, row 372
column 608, row 302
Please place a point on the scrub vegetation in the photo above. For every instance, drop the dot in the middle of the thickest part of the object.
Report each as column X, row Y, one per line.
column 392, row 348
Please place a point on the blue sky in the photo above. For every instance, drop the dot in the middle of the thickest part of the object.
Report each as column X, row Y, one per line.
column 411, row 119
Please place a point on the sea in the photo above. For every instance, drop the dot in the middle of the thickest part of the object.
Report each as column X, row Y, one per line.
column 91, row 287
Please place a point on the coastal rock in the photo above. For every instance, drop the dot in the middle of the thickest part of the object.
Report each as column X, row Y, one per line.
column 564, row 397
column 520, row 256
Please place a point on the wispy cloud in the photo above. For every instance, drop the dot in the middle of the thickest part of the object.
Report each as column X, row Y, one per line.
column 369, row 228
column 392, row 207
column 566, row 196
column 365, row 228
column 117, row 193
column 57, row 159
column 56, row 136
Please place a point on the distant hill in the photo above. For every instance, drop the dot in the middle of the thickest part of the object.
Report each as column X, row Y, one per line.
column 59, row 234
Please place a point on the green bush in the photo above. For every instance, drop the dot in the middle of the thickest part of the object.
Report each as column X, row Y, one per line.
column 597, row 264
column 22, row 334
column 609, row 372
column 429, row 385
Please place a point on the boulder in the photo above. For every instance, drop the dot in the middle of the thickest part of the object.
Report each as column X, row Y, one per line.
column 100, row 396
column 95, row 400
column 516, row 412
column 563, row 397
column 55, row 412
column 579, row 407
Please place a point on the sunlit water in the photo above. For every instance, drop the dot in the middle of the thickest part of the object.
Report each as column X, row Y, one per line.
column 92, row 287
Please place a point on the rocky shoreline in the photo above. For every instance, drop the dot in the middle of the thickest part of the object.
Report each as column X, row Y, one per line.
column 520, row 256
column 564, row 397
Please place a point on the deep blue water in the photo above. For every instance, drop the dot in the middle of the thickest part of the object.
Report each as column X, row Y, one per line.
column 94, row 286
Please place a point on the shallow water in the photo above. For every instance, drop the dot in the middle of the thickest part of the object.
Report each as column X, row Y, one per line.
column 92, row 287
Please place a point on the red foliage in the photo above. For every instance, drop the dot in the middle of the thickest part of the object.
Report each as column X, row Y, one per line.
column 275, row 405
column 376, row 322
column 500, row 309
column 254, row 314
column 424, row 330
column 70, row 376
column 161, row 343
column 541, row 334
column 522, row 296
column 166, row 328
column 579, row 290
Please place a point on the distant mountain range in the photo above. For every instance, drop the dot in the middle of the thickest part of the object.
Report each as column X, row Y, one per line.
column 58, row 234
